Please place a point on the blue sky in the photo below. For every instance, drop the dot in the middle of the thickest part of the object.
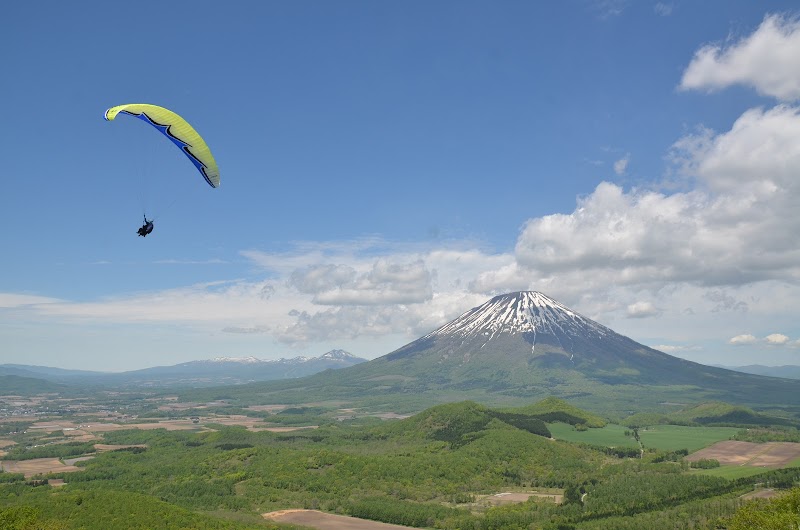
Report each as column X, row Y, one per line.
column 386, row 166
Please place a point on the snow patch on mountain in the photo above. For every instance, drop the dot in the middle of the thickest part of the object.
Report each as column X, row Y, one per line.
column 333, row 355
column 520, row 312
column 240, row 360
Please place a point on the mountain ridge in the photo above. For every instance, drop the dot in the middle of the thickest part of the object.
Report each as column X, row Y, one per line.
column 207, row 372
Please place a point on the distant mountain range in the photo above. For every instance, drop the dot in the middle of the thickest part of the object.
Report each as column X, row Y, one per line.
column 218, row 371
column 786, row 371
column 524, row 346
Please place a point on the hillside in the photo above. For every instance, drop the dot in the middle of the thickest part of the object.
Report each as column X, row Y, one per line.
column 27, row 386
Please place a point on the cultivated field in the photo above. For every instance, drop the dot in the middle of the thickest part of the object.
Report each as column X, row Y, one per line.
column 328, row 521
column 516, row 497
column 36, row 466
column 90, row 430
column 735, row 453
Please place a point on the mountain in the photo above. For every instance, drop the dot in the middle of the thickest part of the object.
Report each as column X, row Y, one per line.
column 27, row 386
column 786, row 371
column 233, row 370
column 218, row 371
column 524, row 345
column 42, row 372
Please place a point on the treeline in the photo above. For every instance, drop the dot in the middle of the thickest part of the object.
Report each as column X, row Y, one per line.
column 48, row 509
column 715, row 414
column 59, row 450
column 774, row 514
column 777, row 434
column 406, row 513
column 624, row 495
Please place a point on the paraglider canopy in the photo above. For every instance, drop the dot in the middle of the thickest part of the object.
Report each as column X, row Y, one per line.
column 178, row 131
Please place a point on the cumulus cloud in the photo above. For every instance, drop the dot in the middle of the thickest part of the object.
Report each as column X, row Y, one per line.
column 743, row 340
column 738, row 227
column 354, row 321
column 757, row 158
column 642, row 310
column 621, row 165
column 321, row 278
column 777, row 339
column 774, row 339
column 384, row 283
column 767, row 60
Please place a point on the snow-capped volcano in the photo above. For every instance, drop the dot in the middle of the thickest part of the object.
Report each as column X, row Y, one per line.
column 527, row 332
column 521, row 312
column 339, row 355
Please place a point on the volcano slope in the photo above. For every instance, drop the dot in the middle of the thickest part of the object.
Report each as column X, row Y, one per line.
column 523, row 346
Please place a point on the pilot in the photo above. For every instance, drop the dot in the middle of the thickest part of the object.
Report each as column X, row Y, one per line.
column 146, row 228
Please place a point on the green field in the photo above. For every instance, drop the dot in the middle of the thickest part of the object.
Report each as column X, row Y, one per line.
column 673, row 437
column 665, row 437
column 612, row 435
column 730, row 472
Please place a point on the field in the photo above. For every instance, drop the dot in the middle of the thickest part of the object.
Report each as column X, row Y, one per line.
column 498, row 499
column 743, row 459
column 609, row 436
column 674, row 437
column 735, row 453
column 328, row 521
column 730, row 472
column 93, row 430
column 664, row 437
column 36, row 466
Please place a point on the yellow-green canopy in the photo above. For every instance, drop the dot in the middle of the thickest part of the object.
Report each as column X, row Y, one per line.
column 178, row 131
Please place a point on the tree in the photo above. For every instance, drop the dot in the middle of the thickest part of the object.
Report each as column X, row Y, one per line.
column 776, row 514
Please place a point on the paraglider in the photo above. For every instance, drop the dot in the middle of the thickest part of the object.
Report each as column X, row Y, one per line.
column 179, row 133
column 146, row 228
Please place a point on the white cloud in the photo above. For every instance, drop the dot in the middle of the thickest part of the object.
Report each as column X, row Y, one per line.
column 777, row 339
column 320, row 278
column 774, row 339
column 757, row 158
column 642, row 310
column 767, row 60
column 739, row 227
column 621, row 165
column 743, row 340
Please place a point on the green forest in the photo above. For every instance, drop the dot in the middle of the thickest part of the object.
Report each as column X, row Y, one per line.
column 435, row 469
